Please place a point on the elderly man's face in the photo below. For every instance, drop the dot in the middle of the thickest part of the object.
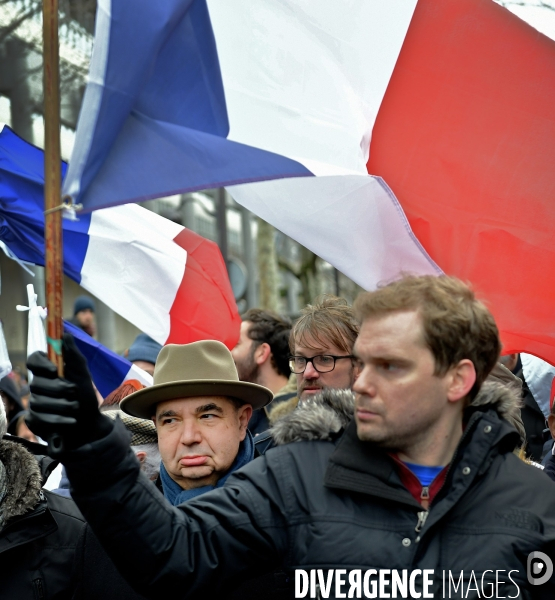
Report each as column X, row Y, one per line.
column 199, row 437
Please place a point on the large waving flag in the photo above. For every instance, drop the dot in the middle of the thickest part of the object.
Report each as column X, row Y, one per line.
column 332, row 121
column 167, row 280
column 465, row 137
column 279, row 92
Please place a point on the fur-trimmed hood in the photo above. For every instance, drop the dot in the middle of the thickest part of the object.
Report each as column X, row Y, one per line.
column 23, row 480
column 318, row 418
column 324, row 415
column 505, row 398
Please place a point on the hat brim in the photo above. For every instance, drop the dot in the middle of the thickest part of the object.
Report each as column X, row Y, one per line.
column 141, row 404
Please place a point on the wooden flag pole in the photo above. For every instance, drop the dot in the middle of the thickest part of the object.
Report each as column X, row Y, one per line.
column 52, row 182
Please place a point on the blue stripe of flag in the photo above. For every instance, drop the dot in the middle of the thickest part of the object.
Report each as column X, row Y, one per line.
column 22, row 207
column 108, row 369
column 154, row 119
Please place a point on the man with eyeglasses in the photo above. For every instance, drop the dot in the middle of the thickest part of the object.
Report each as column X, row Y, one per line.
column 321, row 344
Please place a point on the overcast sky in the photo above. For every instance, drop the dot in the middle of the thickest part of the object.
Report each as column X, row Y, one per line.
column 538, row 13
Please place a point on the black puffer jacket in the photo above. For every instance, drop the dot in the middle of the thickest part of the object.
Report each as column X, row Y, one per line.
column 326, row 505
column 47, row 551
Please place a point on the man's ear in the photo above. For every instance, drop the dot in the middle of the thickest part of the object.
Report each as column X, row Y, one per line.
column 551, row 425
column 141, row 456
column 460, row 380
column 262, row 353
column 244, row 413
column 357, row 368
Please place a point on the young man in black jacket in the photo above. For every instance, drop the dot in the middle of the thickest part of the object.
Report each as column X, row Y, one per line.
column 422, row 484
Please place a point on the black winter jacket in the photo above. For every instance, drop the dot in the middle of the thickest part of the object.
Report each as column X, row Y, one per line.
column 47, row 551
column 326, row 505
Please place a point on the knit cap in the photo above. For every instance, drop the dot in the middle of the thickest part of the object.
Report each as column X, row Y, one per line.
column 83, row 303
column 144, row 348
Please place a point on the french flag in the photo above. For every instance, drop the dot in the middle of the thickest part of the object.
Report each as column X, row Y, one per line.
column 108, row 369
column 165, row 279
column 407, row 135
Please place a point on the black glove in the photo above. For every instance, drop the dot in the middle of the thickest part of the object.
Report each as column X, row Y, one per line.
column 64, row 411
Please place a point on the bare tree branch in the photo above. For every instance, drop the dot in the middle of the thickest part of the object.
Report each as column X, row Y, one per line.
column 5, row 32
column 539, row 4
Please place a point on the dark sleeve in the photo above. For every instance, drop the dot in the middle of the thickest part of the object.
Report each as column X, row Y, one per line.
column 210, row 543
column 97, row 575
column 550, row 467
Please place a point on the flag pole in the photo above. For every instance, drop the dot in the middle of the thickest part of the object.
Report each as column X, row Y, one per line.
column 52, row 182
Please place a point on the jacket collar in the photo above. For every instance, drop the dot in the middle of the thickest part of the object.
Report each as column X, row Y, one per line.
column 23, row 480
column 24, row 507
column 365, row 468
column 34, row 525
column 322, row 417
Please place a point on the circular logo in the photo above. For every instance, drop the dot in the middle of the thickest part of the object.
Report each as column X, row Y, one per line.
column 539, row 568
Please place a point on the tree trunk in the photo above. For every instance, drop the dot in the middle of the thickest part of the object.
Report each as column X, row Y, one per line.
column 267, row 267
column 309, row 276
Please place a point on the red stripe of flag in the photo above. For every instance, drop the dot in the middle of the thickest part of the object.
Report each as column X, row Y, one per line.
column 465, row 137
column 204, row 307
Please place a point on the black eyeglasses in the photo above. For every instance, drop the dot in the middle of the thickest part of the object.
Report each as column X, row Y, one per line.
column 323, row 363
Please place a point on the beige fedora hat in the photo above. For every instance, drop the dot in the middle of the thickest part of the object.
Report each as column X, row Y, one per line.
column 203, row 368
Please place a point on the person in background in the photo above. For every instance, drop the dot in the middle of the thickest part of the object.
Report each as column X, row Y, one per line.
column 549, row 460
column 144, row 441
column 47, row 550
column 143, row 352
column 10, row 397
column 321, row 344
column 84, row 314
column 113, row 399
column 18, row 427
column 262, row 356
column 532, row 416
column 25, row 392
column 20, row 380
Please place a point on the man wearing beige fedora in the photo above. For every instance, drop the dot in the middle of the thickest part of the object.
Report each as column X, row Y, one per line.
column 201, row 411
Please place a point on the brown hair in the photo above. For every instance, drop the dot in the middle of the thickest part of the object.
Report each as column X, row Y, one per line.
column 455, row 324
column 329, row 320
column 128, row 387
column 267, row 327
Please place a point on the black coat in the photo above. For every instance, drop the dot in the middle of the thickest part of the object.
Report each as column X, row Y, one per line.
column 324, row 505
column 47, row 550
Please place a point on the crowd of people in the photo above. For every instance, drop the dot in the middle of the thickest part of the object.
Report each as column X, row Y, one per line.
column 390, row 435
